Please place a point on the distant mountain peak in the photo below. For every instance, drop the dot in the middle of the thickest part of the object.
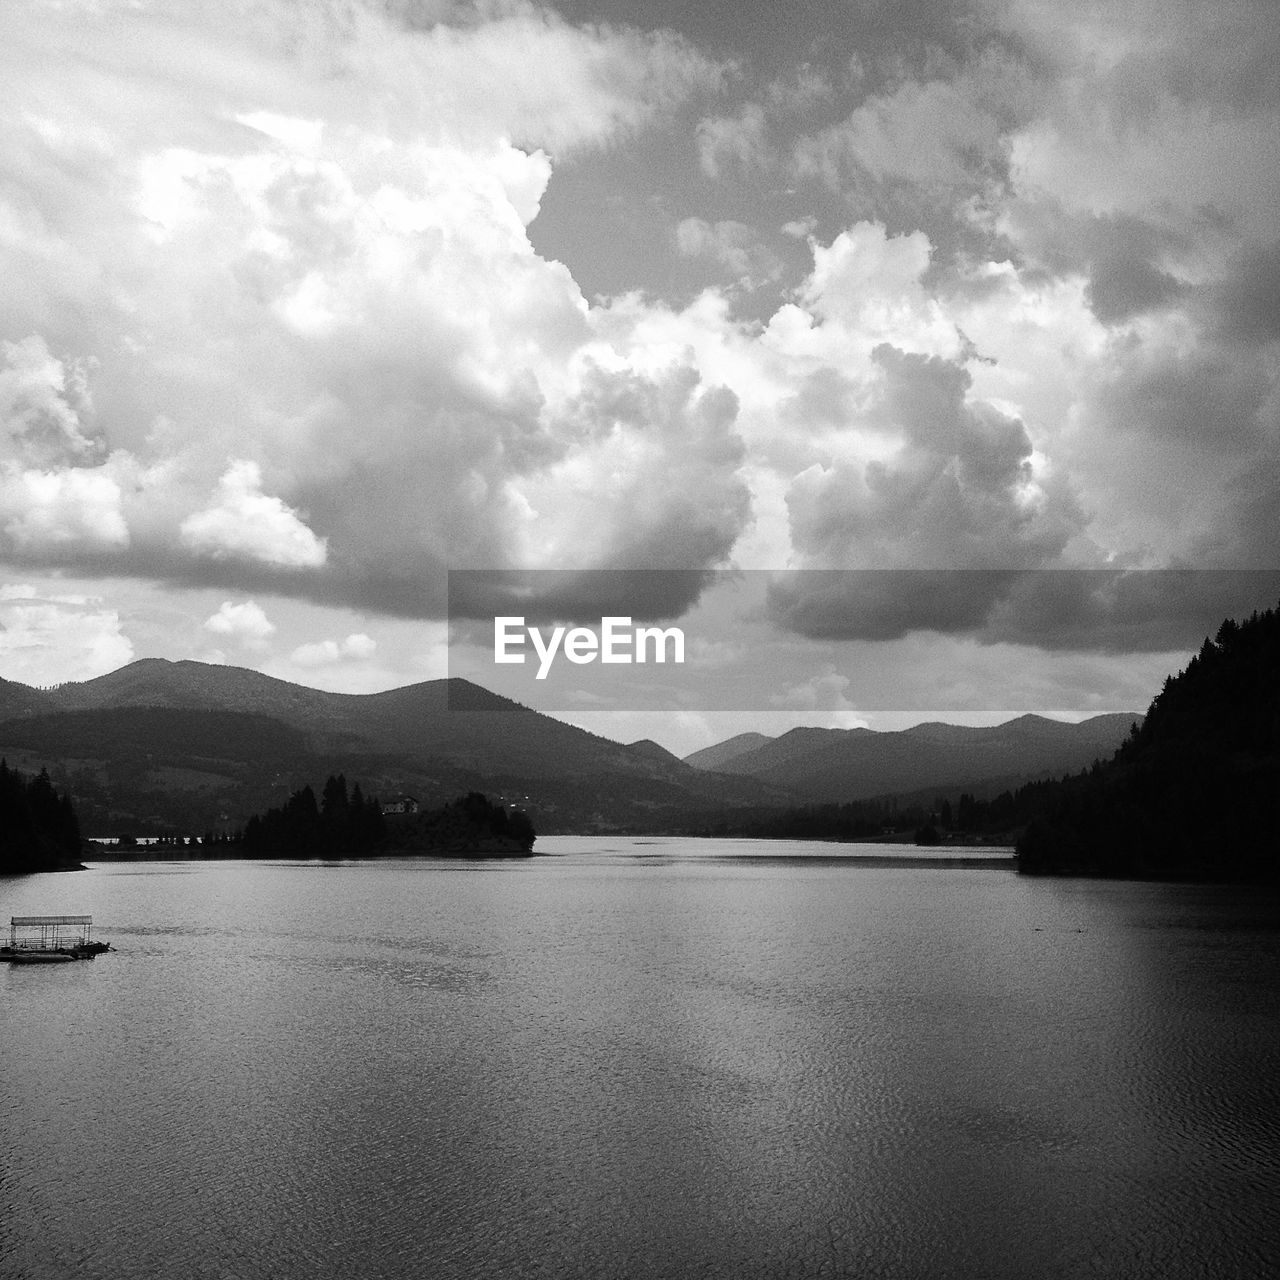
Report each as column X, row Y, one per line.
column 653, row 751
column 721, row 753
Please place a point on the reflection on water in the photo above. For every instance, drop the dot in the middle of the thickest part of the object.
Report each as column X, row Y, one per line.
column 641, row 1059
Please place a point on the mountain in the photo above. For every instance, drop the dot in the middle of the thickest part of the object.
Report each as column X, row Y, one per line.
column 779, row 752
column 157, row 682
column 1192, row 794
column 20, row 699
column 421, row 719
column 717, row 756
column 187, row 745
column 655, row 751
column 855, row 764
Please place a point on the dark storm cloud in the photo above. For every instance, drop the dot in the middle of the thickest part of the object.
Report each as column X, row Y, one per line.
column 884, row 604
column 1125, row 611
column 1248, row 299
column 1248, row 529
column 1125, row 258
column 1215, row 399
column 1226, row 54
column 1120, row 288
column 1115, row 611
column 575, row 597
column 771, row 36
column 1125, row 275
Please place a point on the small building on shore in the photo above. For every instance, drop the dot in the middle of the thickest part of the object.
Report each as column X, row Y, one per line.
column 401, row 804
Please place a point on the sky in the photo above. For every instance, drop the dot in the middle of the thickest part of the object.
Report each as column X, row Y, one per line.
column 308, row 303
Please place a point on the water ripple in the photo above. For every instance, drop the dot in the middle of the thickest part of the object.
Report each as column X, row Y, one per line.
column 598, row 1070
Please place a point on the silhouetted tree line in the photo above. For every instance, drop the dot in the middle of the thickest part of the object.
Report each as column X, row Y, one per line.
column 827, row 821
column 1192, row 793
column 471, row 824
column 339, row 824
column 39, row 826
column 857, row 819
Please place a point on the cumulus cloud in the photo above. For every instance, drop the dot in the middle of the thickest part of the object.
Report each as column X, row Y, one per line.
column 825, row 693
column 324, row 349
column 243, row 523
column 652, row 479
column 48, row 638
column 278, row 324
column 1154, row 110
column 61, row 513
column 355, row 648
column 244, row 623
column 958, row 489
column 52, row 499
column 43, row 404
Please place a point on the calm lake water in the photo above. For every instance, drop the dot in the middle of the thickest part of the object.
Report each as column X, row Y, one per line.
column 641, row 1059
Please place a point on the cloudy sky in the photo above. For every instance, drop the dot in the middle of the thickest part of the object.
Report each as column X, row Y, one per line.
column 306, row 303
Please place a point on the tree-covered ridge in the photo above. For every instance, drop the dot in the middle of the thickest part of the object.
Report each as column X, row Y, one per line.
column 1227, row 698
column 150, row 731
column 970, row 820
column 40, row 828
column 341, row 823
column 1192, row 793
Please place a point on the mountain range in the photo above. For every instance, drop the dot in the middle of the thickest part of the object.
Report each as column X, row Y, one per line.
column 192, row 746
column 189, row 746
column 857, row 764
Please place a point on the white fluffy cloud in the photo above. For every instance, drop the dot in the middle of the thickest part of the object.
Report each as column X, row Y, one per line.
column 278, row 324
column 306, row 315
column 61, row 513
column 356, row 647
column 243, row 523
column 43, row 404
column 48, row 638
column 244, row 623
column 824, row 694
column 50, row 501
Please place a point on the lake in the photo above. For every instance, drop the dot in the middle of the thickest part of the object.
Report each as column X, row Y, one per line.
column 641, row 1058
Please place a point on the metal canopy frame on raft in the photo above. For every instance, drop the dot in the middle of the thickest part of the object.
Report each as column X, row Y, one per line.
column 51, row 936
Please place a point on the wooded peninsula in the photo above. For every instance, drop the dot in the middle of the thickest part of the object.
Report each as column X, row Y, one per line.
column 42, row 832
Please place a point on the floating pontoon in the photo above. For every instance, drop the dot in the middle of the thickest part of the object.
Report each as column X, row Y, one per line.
column 51, row 940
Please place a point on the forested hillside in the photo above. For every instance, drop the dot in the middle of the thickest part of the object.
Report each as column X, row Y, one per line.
column 39, row 830
column 1195, row 792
